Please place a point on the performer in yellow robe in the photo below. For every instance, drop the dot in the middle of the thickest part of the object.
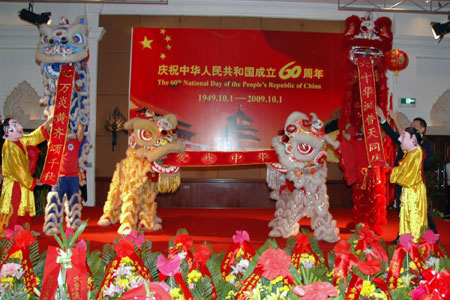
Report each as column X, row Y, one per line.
column 409, row 175
column 17, row 197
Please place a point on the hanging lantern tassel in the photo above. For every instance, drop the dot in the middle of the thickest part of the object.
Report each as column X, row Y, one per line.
column 396, row 61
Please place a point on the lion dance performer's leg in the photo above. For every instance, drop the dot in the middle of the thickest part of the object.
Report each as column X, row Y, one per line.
column 111, row 209
column 287, row 215
column 147, row 212
column 321, row 220
column 73, row 204
column 130, row 211
column 53, row 213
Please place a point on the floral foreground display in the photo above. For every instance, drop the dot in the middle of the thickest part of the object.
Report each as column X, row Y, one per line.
column 359, row 268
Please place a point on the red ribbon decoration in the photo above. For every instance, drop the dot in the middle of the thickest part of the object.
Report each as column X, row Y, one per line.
column 230, row 256
column 371, row 126
column 354, row 289
column 428, row 248
column 124, row 248
column 383, row 286
column 395, row 266
column 302, row 246
column 57, row 142
column 201, row 255
column 344, row 261
column 414, row 253
column 22, row 240
column 249, row 284
column 368, row 238
column 179, row 280
column 76, row 277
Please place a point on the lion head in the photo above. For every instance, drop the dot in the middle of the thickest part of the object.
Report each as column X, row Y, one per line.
column 63, row 43
column 301, row 145
column 153, row 136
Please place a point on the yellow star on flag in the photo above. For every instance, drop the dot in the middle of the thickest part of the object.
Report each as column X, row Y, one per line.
column 146, row 43
column 162, row 31
column 169, row 47
column 162, row 56
column 168, row 39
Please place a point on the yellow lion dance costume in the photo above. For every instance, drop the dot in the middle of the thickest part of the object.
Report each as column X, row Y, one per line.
column 138, row 178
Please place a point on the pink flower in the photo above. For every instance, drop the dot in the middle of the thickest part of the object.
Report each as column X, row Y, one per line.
column 405, row 240
column 81, row 244
column 275, row 262
column 137, row 239
column 69, row 232
column 9, row 233
column 316, row 291
column 430, row 237
column 168, row 267
column 241, row 236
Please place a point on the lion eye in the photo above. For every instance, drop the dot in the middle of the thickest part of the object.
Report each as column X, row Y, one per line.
column 144, row 135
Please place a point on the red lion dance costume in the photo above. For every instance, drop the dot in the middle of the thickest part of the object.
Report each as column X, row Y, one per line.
column 363, row 157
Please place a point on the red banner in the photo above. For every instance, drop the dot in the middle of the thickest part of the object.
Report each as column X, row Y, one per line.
column 372, row 133
column 232, row 90
column 50, row 173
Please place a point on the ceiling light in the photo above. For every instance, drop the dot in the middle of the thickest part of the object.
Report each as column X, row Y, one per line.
column 440, row 29
column 29, row 16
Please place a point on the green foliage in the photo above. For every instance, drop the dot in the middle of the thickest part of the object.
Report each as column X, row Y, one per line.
column 108, row 254
column 150, row 259
column 97, row 266
column 202, row 289
column 18, row 292
column 4, row 247
column 290, row 245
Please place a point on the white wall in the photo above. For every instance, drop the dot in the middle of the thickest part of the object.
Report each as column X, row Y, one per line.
column 426, row 78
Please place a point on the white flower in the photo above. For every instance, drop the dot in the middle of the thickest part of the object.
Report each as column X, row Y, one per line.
column 241, row 267
column 182, row 255
column 432, row 261
column 11, row 269
column 369, row 251
column 113, row 290
column 123, row 270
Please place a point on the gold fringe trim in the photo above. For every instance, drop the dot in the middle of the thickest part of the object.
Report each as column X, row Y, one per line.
column 168, row 183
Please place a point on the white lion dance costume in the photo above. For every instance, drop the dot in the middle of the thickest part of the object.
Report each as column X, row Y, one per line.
column 298, row 181
column 60, row 46
column 139, row 177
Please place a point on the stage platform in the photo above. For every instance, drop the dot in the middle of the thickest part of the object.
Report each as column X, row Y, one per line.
column 217, row 226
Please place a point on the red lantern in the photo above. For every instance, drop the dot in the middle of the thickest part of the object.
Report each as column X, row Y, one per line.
column 396, row 60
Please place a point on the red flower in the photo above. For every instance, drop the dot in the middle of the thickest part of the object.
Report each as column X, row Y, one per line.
column 124, row 247
column 316, row 291
column 274, row 263
column 342, row 247
column 184, row 240
column 23, row 239
column 371, row 266
column 202, row 254
column 302, row 241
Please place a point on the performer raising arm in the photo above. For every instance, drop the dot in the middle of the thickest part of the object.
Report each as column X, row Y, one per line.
column 409, row 174
column 17, row 197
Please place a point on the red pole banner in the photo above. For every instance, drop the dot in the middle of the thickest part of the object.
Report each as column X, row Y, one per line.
column 57, row 142
column 372, row 132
